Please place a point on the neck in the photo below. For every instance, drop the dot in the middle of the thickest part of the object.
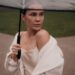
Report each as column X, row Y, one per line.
column 32, row 32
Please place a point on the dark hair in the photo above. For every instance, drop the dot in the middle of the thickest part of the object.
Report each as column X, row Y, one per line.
column 24, row 11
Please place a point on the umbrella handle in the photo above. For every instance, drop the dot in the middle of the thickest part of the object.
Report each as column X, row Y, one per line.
column 19, row 54
column 18, row 37
column 19, row 51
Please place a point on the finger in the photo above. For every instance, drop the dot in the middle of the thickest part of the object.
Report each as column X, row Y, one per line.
column 13, row 56
column 14, row 48
column 17, row 45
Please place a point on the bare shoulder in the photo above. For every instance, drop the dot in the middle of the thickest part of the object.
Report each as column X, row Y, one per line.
column 44, row 34
column 42, row 37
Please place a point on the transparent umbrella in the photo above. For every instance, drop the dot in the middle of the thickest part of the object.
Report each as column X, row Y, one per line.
column 47, row 4
column 50, row 5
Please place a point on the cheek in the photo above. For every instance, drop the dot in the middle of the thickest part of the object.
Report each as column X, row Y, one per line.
column 28, row 17
column 42, row 19
column 28, row 20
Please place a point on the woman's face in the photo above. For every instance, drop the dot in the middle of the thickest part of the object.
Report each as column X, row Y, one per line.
column 34, row 19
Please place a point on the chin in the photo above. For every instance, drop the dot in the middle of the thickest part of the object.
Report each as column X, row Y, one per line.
column 37, row 28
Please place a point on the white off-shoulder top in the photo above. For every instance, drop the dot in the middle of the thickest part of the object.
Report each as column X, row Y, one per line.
column 48, row 61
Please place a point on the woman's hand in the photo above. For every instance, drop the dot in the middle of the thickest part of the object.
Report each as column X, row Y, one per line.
column 14, row 53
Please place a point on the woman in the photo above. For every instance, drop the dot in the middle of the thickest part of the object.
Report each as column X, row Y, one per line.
column 40, row 54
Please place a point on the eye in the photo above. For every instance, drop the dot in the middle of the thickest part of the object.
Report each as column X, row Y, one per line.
column 41, row 14
column 33, row 14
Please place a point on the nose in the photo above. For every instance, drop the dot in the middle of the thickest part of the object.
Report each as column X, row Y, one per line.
column 38, row 19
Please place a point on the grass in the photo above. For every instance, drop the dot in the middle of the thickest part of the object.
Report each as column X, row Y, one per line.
column 57, row 23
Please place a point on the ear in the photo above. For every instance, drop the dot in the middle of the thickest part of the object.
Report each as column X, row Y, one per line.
column 23, row 17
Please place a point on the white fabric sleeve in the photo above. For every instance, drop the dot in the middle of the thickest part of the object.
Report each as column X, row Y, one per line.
column 56, row 71
column 10, row 64
column 59, row 69
column 14, row 41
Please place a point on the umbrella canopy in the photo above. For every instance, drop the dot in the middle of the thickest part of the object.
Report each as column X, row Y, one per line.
column 47, row 4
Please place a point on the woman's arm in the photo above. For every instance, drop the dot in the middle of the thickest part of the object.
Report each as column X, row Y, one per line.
column 42, row 37
column 11, row 62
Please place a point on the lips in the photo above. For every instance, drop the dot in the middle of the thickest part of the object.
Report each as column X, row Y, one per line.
column 37, row 25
